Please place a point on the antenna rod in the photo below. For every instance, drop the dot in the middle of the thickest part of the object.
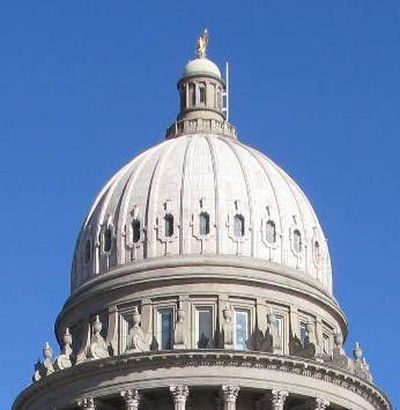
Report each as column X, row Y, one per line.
column 227, row 91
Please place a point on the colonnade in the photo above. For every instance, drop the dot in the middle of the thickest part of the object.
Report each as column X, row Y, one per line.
column 274, row 400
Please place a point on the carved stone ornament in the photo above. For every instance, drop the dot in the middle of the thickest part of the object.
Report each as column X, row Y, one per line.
column 63, row 361
column 273, row 340
column 278, row 399
column 98, row 347
column 179, row 395
column 45, row 367
column 86, row 403
column 230, row 393
column 227, row 327
column 308, row 349
column 321, row 403
column 361, row 367
column 131, row 399
column 137, row 340
column 179, row 331
column 339, row 356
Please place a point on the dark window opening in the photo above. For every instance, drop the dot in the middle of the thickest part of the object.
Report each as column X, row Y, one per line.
column 297, row 242
column 88, row 251
column 270, row 232
column 107, row 239
column 239, row 225
column 169, row 225
column 135, row 230
column 204, row 223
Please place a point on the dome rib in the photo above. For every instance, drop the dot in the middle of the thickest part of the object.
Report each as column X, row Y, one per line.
column 181, row 194
column 256, row 155
column 173, row 177
column 217, row 199
column 248, row 192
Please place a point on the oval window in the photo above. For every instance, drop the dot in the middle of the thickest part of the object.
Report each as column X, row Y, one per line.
column 169, row 225
column 135, row 230
column 270, row 232
column 107, row 237
column 204, row 223
column 239, row 225
column 297, row 242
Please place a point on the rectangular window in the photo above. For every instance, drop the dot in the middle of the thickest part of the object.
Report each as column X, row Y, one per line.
column 204, row 327
column 241, row 329
column 327, row 344
column 165, row 329
column 303, row 332
column 202, row 91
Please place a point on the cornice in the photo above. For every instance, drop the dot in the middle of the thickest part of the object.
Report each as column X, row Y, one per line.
column 139, row 362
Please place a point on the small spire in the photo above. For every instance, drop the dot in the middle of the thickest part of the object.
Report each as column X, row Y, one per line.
column 202, row 44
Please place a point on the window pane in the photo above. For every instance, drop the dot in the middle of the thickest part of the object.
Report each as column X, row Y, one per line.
column 204, row 328
column 88, row 251
column 303, row 332
column 239, row 225
column 202, row 90
column 270, row 232
column 135, row 231
column 107, row 240
column 166, row 329
column 169, row 225
column 316, row 251
column 241, row 330
column 204, row 223
column 297, row 240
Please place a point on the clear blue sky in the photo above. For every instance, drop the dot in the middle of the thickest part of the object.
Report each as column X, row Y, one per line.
column 87, row 85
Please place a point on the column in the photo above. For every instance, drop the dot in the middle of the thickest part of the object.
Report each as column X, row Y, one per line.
column 230, row 394
column 131, row 399
column 86, row 403
column 179, row 395
column 278, row 399
column 321, row 403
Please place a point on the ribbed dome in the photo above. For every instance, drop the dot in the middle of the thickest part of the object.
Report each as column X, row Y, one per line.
column 201, row 194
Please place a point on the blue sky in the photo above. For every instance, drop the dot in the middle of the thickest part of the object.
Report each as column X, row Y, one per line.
column 85, row 86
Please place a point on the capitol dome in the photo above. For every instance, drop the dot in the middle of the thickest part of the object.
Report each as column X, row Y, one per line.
column 202, row 194
column 201, row 275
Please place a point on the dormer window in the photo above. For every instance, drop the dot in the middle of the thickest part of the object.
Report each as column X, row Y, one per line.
column 238, row 225
column 107, row 239
column 270, row 232
column 87, row 251
column 169, row 225
column 204, row 223
column 317, row 252
column 297, row 241
column 135, row 231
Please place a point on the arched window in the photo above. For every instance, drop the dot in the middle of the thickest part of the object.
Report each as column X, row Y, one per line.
column 238, row 225
column 192, row 94
column 107, row 239
column 297, row 242
column 317, row 252
column 202, row 93
column 169, row 225
column 87, row 251
column 204, row 223
column 135, row 230
column 270, row 231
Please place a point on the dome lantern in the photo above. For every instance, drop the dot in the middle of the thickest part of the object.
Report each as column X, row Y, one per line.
column 202, row 91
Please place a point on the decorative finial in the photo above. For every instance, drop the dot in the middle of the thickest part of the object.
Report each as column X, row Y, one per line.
column 202, row 44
